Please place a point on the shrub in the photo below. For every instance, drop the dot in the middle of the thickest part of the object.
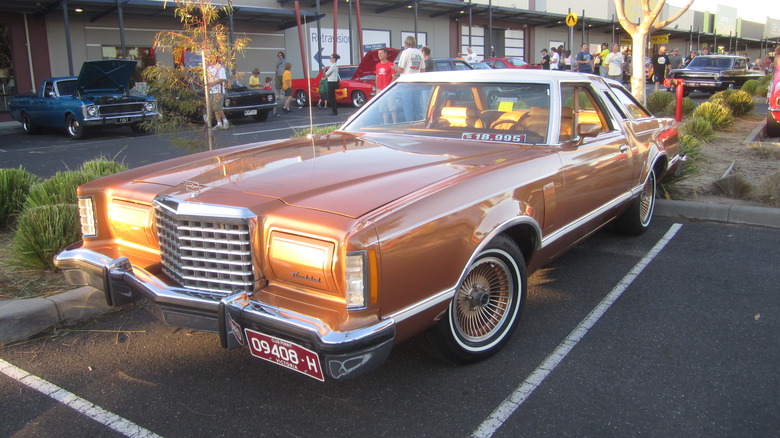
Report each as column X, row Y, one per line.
column 762, row 90
column 769, row 189
column 740, row 103
column 698, row 127
column 657, row 101
column 718, row 115
column 316, row 130
column 42, row 232
column 691, row 147
column 766, row 80
column 101, row 167
column 688, row 106
column 750, row 86
column 15, row 184
column 59, row 189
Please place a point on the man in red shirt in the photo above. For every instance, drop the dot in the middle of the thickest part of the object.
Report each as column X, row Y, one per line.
column 384, row 76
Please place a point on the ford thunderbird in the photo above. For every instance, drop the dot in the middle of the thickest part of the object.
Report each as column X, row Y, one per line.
column 423, row 215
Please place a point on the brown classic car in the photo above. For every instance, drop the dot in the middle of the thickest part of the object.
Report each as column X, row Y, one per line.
column 424, row 214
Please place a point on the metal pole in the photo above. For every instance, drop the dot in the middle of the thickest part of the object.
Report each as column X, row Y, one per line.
column 351, row 37
column 416, row 38
column 319, row 35
column 612, row 22
column 571, row 35
column 491, row 44
column 301, row 40
column 67, row 35
column 469, row 23
column 360, row 28
column 121, row 28
column 29, row 54
column 583, row 28
column 335, row 26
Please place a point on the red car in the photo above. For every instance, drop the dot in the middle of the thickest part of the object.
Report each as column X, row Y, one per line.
column 511, row 62
column 357, row 82
column 773, row 116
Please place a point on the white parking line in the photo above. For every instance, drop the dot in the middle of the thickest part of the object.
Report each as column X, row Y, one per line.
column 96, row 413
column 521, row 394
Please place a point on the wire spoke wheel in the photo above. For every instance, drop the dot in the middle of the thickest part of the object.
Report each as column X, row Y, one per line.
column 484, row 300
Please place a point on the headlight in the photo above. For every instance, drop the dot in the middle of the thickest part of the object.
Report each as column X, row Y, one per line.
column 87, row 216
column 149, row 107
column 271, row 97
column 226, row 102
column 356, row 280
column 92, row 111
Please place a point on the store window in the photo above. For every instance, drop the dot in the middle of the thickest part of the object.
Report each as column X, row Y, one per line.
column 7, row 78
column 144, row 55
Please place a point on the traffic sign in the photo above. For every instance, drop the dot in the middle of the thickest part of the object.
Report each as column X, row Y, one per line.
column 571, row 19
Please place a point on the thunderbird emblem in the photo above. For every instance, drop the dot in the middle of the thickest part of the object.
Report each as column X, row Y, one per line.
column 192, row 187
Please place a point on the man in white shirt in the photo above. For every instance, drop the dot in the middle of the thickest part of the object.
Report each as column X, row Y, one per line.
column 410, row 61
column 471, row 57
column 217, row 81
column 554, row 58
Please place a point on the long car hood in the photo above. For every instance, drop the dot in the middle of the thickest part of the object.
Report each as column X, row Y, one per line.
column 105, row 76
column 338, row 173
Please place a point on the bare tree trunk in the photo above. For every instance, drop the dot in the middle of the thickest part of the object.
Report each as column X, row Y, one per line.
column 638, row 49
column 207, row 93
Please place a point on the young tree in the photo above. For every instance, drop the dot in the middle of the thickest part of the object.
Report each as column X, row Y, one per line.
column 181, row 88
column 639, row 34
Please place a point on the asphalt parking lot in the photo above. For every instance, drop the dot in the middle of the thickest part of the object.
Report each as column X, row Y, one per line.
column 687, row 348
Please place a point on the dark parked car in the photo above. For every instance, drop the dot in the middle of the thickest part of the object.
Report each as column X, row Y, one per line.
column 319, row 254
column 510, row 62
column 712, row 73
column 241, row 101
column 448, row 64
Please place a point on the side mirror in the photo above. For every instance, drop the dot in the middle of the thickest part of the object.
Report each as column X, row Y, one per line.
column 50, row 94
column 588, row 129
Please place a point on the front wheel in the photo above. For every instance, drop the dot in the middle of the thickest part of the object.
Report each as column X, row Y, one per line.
column 301, row 98
column 76, row 130
column 636, row 220
column 772, row 126
column 486, row 307
column 358, row 98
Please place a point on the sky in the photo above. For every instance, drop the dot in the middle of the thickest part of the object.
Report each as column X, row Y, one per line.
column 751, row 10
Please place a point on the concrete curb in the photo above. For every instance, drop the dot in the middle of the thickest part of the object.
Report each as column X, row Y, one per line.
column 20, row 319
column 10, row 127
column 735, row 214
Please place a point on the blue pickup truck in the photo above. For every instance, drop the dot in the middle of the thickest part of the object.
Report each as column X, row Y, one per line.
column 98, row 98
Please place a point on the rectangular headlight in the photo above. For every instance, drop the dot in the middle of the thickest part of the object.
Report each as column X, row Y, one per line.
column 356, row 271
column 87, row 216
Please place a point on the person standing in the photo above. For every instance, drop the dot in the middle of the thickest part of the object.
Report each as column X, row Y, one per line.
column 689, row 58
column 280, row 61
column 384, row 77
column 427, row 61
column 410, row 61
column 614, row 63
column 603, row 60
column 471, row 57
column 554, row 59
column 217, row 80
column 269, row 85
column 584, row 60
column 660, row 63
column 562, row 58
column 545, row 60
column 254, row 80
column 287, row 87
column 675, row 60
column 332, row 73
column 567, row 60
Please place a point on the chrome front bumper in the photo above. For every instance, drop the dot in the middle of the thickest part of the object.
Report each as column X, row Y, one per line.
column 343, row 354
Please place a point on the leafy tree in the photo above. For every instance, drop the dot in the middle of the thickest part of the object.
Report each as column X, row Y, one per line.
column 639, row 34
column 180, row 88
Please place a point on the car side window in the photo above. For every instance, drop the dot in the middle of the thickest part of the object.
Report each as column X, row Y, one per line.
column 740, row 63
column 48, row 89
column 633, row 106
column 580, row 106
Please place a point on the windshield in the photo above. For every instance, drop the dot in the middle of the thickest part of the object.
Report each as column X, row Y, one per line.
column 517, row 62
column 710, row 62
column 67, row 88
column 514, row 112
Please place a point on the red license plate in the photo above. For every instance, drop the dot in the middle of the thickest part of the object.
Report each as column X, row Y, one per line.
column 284, row 353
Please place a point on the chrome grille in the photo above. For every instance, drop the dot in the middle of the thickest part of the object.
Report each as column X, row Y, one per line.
column 122, row 108
column 202, row 252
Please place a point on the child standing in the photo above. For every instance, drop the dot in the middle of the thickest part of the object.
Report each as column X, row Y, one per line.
column 270, row 87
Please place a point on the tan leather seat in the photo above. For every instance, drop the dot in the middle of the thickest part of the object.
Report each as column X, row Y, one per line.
column 459, row 117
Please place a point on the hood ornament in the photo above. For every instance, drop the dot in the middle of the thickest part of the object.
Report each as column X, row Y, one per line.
column 192, row 187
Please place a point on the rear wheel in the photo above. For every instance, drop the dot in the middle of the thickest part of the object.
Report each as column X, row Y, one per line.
column 301, row 98
column 76, row 130
column 358, row 98
column 772, row 126
column 27, row 125
column 636, row 220
column 486, row 308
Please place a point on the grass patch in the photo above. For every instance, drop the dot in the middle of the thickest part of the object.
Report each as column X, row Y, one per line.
column 17, row 282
